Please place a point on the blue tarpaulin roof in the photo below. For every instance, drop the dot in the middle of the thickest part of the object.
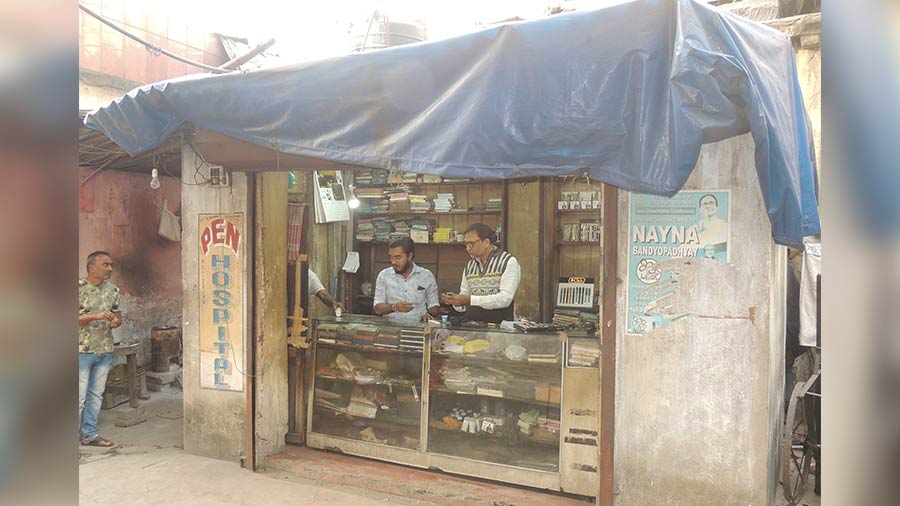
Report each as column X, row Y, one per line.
column 628, row 92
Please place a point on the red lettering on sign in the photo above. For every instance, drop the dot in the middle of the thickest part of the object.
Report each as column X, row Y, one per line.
column 205, row 239
column 233, row 237
column 220, row 231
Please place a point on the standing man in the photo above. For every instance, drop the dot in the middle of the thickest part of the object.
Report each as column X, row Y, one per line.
column 98, row 314
column 489, row 281
column 405, row 292
column 317, row 289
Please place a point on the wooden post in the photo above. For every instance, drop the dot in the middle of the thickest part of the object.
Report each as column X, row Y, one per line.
column 606, row 459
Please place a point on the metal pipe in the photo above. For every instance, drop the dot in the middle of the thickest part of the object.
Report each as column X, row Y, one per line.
column 153, row 47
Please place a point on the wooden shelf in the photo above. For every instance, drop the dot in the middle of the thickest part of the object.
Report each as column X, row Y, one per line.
column 488, row 359
column 578, row 243
column 376, row 349
column 457, row 183
column 417, row 244
column 578, row 211
column 388, row 382
column 428, row 213
column 506, row 398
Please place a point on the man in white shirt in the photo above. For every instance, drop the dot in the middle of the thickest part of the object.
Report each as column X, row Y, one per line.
column 490, row 280
column 404, row 292
column 317, row 289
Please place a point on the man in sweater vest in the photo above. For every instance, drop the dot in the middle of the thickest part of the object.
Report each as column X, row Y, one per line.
column 489, row 281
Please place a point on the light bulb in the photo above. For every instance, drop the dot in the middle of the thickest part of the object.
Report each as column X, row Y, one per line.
column 154, row 179
column 353, row 203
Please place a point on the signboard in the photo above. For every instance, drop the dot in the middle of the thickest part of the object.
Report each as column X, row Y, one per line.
column 222, row 301
column 331, row 203
column 694, row 224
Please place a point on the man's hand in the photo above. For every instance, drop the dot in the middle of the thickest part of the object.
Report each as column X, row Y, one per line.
column 105, row 315
column 403, row 307
column 455, row 299
column 337, row 305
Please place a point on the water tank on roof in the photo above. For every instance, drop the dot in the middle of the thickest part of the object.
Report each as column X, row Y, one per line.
column 379, row 31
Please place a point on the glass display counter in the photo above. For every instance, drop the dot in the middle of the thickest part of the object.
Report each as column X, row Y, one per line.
column 482, row 402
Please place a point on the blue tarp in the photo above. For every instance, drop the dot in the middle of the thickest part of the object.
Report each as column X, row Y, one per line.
column 628, row 92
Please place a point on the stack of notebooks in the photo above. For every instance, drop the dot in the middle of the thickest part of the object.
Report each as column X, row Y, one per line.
column 431, row 179
column 365, row 335
column 401, row 229
column 420, row 231
column 326, row 332
column 443, row 203
column 412, row 339
column 369, row 193
column 382, row 230
column 570, row 317
column 369, row 176
column 494, row 204
column 409, row 177
column 418, row 203
column 387, row 338
column 457, row 179
column 344, row 335
column 442, row 234
column 365, row 230
column 584, row 354
column 398, row 200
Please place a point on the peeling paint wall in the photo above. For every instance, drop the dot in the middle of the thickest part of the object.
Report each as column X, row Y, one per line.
column 119, row 213
column 215, row 421
column 697, row 401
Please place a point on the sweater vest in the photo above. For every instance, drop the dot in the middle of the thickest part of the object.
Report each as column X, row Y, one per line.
column 487, row 282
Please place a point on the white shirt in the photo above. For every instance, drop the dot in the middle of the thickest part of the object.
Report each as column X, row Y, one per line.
column 509, row 283
column 315, row 284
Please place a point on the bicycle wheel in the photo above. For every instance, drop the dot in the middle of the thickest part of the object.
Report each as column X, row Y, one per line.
column 797, row 446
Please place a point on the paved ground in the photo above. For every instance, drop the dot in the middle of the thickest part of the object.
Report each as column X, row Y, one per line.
column 149, row 467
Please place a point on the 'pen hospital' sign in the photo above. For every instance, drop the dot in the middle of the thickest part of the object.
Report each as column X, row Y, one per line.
column 221, row 301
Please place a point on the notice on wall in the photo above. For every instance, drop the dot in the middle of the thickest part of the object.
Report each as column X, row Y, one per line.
column 221, row 301
column 331, row 202
column 690, row 224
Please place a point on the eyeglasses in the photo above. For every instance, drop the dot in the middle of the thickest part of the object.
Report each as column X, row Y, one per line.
column 473, row 243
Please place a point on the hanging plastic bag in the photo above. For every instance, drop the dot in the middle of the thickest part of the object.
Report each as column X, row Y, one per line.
column 169, row 225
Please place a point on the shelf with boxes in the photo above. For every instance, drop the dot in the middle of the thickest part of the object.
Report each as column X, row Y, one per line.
column 431, row 210
column 575, row 223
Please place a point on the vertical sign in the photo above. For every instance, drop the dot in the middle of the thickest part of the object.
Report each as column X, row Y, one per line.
column 221, row 301
column 688, row 224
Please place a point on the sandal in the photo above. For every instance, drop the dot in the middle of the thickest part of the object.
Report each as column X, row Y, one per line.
column 97, row 441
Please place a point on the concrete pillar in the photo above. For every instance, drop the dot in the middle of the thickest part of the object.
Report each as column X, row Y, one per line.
column 214, row 420
column 699, row 402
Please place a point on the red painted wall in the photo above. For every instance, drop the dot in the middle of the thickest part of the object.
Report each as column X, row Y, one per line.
column 120, row 214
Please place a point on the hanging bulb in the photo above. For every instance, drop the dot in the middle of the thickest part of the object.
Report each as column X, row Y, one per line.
column 154, row 179
column 353, row 203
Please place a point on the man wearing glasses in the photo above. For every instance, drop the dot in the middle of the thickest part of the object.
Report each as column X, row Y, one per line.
column 489, row 281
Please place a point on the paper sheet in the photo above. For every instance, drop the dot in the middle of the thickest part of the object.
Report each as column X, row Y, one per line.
column 351, row 264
